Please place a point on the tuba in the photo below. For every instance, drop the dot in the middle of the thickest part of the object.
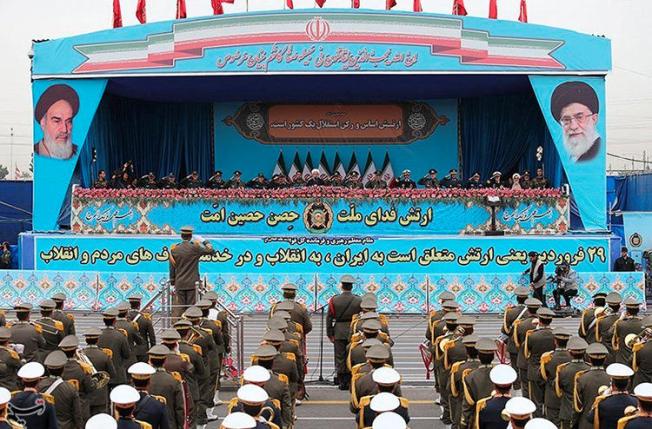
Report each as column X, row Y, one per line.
column 99, row 378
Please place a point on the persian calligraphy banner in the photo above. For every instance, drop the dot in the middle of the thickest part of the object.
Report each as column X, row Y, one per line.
column 332, row 217
column 314, row 254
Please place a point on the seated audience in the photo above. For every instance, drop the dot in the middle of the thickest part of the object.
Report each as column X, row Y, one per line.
column 258, row 182
column 336, row 179
column 314, row 179
column 526, row 180
column 168, row 182
column 429, row 180
column 473, row 182
column 377, row 181
column 353, row 181
column 191, row 181
column 297, row 180
column 516, row 181
column 451, row 181
column 495, row 181
column 216, row 181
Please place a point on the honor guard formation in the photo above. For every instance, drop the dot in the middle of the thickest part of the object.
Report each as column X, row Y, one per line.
column 534, row 375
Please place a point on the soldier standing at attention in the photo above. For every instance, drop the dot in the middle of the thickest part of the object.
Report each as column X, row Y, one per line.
column 641, row 355
column 610, row 405
column 67, row 319
column 145, row 327
column 116, row 341
column 26, row 333
column 102, row 362
column 5, row 421
column 125, row 398
column 643, row 418
column 168, row 386
column 341, row 309
column 605, row 319
column 588, row 319
column 630, row 323
column 75, row 369
column 512, row 314
column 519, row 410
column 184, row 269
column 9, row 362
column 588, row 383
column 131, row 328
column 537, row 342
column 149, row 409
column 521, row 327
column 34, row 409
column 564, row 381
column 476, row 384
column 66, row 398
column 52, row 330
column 550, row 361
column 488, row 411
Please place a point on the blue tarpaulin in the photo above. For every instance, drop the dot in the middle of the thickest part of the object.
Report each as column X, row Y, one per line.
column 15, row 209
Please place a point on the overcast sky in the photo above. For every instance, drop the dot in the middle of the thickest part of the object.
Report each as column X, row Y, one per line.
column 625, row 22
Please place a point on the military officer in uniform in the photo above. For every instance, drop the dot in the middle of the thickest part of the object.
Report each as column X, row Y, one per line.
column 383, row 379
column 588, row 383
column 283, row 363
column 5, row 421
column 52, row 330
column 454, row 351
column 383, row 402
column 277, row 387
column 642, row 418
column 266, row 410
column 630, row 323
column 511, row 315
column 449, row 323
column 116, row 341
column 488, row 411
column 239, row 421
column 565, row 381
column 67, row 319
column 66, row 399
column 341, row 309
column 298, row 312
column 184, row 269
column 124, row 398
column 102, row 362
column 521, row 327
column 520, row 411
column 588, row 319
column 75, row 369
column 214, row 327
column 26, row 333
column 29, row 407
column 122, row 323
column 550, row 361
column 436, row 315
column 476, row 384
column 168, row 386
column 605, row 319
column 537, row 342
column 101, row 420
column 457, row 371
column 641, row 353
column 610, row 405
column 149, row 409
column 145, row 327
column 9, row 362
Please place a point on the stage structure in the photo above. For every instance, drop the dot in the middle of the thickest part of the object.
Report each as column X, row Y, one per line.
column 338, row 90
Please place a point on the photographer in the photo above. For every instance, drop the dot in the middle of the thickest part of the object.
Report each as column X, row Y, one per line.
column 566, row 280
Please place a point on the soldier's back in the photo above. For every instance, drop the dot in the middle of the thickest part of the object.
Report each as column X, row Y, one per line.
column 165, row 385
column 9, row 365
column 66, row 400
column 489, row 412
column 635, row 422
column 116, row 341
column 151, row 410
column 68, row 321
column 612, row 408
column 27, row 334
column 35, row 409
column 52, row 331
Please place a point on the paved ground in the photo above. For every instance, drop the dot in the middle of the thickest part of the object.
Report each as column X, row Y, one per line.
column 327, row 405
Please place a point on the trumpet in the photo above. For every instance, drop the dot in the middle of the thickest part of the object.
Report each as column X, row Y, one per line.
column 457, row 334
column 641, row 338
column 99, row 378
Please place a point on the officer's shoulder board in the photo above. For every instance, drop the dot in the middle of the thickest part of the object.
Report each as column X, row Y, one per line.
column 184, row 357
column 364, row 401
column 144, row 425
column 12, row 353
column 14, row 424
column 86, row 368
column 135, row 325
column 207, row 330
column 290, row 356
column 405, row 403
column 146, row 315
column 197, row 348
column 546, row 357
column 232, row 404
column 58, row 325
column 48, row 398
column 637, row 347
column 108, row 352
column 174, row 246
column 283, row 378
column 160, row 398
column 123, row 331
column 623, row 421
column 38, row 328
column 176, row 376
column 70, row 316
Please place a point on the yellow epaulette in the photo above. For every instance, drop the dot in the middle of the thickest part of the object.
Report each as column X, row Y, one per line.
column 294, row 342
column 48, row 398
column 86, row 368
column 545, row 359
column 9, row 324
column 405, row 403
column 637, row 347
column 482, row 403
column 143, row 425
column 207, row 330
column 622, row 422
column 364, row 401
column 576, row 400
column 283, row 378
column 197, row 348
column 298, row 328
column 218, row 323
column 15, row 392
column 147, row 316
column 70, row 316
column 356, row 337
column 384, row 320
column 14, row 424
column 356, row 368
column 160, row 398
column 232, row 404
column 124, row 332
column 174, row 246
column 38, row 328
column 2, row 313
column 12, row 353
column 135, row 325
column 108, row 352
column 58, row 325
column 74, row 383
column 454, row 368
column 184, row 357
column 558, row 391
column 176, row 376
column 290, row 356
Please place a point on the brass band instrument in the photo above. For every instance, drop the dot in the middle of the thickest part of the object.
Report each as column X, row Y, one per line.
column 641, row 338
column 457, row 334
column 99, row 378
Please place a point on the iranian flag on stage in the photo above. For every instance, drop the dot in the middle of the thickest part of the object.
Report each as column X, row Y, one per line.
column 323, row 165
column 307, row 166
column 279, row 168
column 353, row 165
column 369, row 169
column 295, row 167
column 339, row 167
column 388, row 171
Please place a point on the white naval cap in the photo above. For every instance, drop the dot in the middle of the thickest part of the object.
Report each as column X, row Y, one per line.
column 141, row 368
column 643, row 391
column 539, row 423
column 519, row 406
column 238, row 421
column 384, row 401
column 502, row 375
column 31, row 370
column 252, row 394
column 385, row 376
column 256, row 374
column 101, row 420
column 5, row 396
column 124, row 394
column 389, row 421
column 618, row 370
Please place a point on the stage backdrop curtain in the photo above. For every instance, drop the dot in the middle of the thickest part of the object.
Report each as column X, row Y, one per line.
column 158, row 137
column 502, row 133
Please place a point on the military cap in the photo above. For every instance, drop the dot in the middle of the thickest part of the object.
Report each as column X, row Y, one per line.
column 632, row 302
column 110, row 313
column 540, row 423
column 486, row 345
column 92, row 332
column 371, row 325
column 47, row 304
column 377, row 352
column 54, row 94
column 545, row 313
column 23, row 306
column 265, row 352
column 470, row 340
column 369, row 303
column 123, row 306
column 5, row 396
column 285, row 306
column 560, row 332
column 618, row 370
column 256, row 374
column 31, row 371
column 599, row 295
column 187, row 229
column 170, row 335
column 446, row 296
column 135, row 297
column 59, row 296
column 238, row 420
column 277, row 323
column 384, row 402
column 432, row 171
column 519, row 406
column 237, row 173
column 289, row 286
column 450, row 318
column 192, row 313
column 596, row 349
column 385, row 376
column 158, row 350
column 502, row 375
column 281, row 314
column 182, row 324
column 5, row 334
column 496, row 173
column 203, row 304
column 101, row 420
column 389, row 420
column 69, row 342
column 56, row 359
column 643, row 391
column 533, row 302
column 573, row 92
column 521, row 291
column 369, row 315
column 466, row 320
column 450, row 304
column 368, row 342
column 577, row 344
column 252, row 394
column 210, row 295
column 124, row 395
column 614, row 298
column 274, row 335
column 141, row 370
column 349, row 279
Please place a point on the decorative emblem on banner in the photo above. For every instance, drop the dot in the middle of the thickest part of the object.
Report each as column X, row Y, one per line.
column 318, row 29
column 635, row 240
column 318, row 217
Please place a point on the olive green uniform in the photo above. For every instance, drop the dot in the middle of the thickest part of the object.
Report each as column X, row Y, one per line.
column 66, row 402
